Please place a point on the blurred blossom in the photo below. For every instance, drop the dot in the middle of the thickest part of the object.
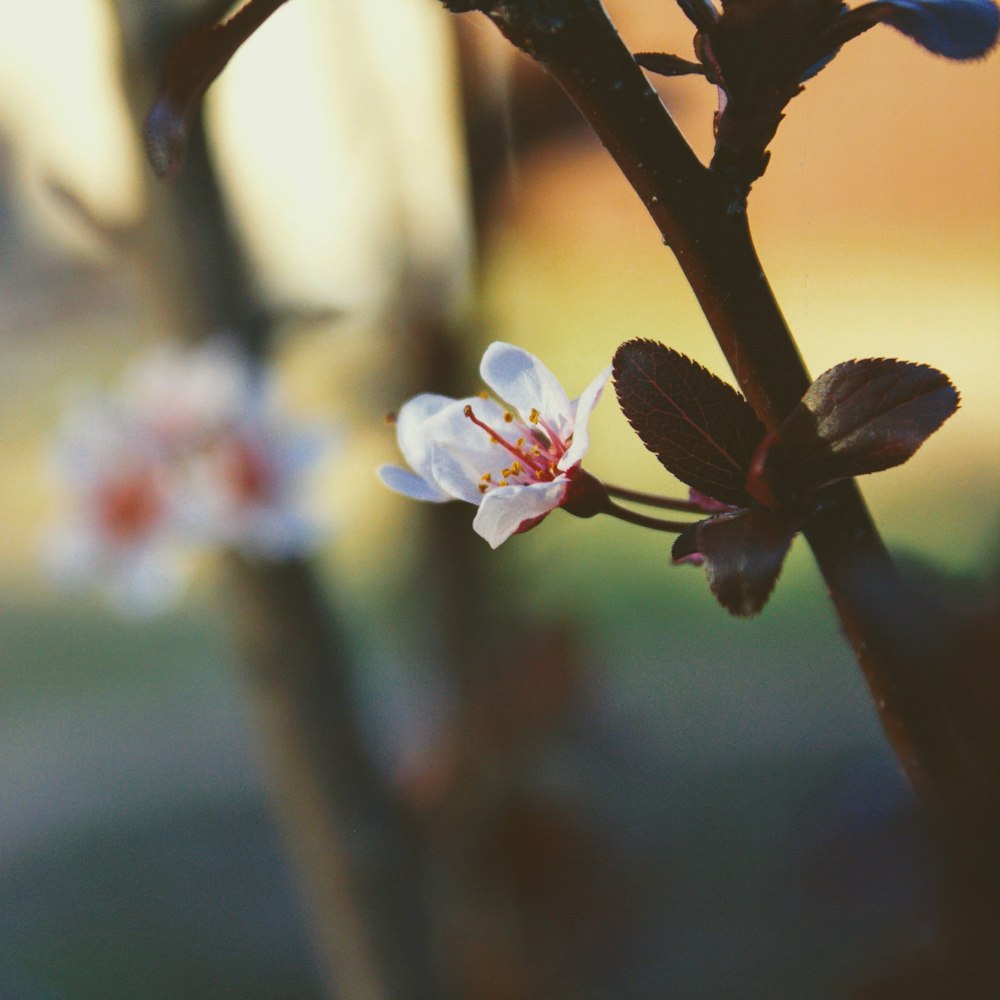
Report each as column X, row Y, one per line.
column 189, row 454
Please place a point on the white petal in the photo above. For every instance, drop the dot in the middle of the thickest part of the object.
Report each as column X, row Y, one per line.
column 505, row 510
column 411, row 485
column 451, row 427
column 412, row 429
column 523, row 381
column 458, row 472
column 584, row 407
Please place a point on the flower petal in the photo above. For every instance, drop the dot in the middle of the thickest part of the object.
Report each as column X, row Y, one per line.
column 412, row 432
column 584, row 407
column 454, row 429
column 522, row 380
column 411, row 485
column 958, row 29
column 457, row 471
column 504, row 511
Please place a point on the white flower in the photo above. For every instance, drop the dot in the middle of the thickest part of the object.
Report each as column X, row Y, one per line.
column 190, row 453
column 516, row 464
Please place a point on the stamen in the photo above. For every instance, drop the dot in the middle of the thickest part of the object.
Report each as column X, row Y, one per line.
column 496, row 439
column 508, row 417
column 534, row 416
column 486, row 477
column 483, row 487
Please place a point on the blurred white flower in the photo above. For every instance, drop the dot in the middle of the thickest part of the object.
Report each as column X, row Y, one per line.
column 191, row 454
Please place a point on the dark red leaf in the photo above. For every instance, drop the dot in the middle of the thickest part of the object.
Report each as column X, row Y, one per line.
column 742, row 553
column 700, row 428
column 194, row 63
column 859, row 417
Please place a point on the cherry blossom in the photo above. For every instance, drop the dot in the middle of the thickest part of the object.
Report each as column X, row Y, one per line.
column 189, row 454
column 516, row 461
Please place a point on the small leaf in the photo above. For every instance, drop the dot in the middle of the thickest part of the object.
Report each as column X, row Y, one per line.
column 197, row 59
column 667, row 65
column 742, row 553
column 700, row 428
column 859, row 417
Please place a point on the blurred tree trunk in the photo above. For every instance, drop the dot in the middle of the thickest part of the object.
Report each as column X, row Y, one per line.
column 357, row 857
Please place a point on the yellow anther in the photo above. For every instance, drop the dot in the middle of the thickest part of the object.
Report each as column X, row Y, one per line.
column 487, row 477
column 535, row 450
column 507, row 416
column 483, row 487
column 503, row 482
column 506, row 472
column 534, row 416
column 520, row 442
column 516, row 468
column 390, row 418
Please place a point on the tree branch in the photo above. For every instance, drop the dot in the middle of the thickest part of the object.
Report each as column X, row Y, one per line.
column 580, row 47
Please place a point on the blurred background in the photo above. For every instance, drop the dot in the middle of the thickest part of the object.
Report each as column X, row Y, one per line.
column 622, row 793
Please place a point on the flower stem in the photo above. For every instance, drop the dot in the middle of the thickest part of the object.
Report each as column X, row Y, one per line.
column 644, row 520
column 652, row 500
